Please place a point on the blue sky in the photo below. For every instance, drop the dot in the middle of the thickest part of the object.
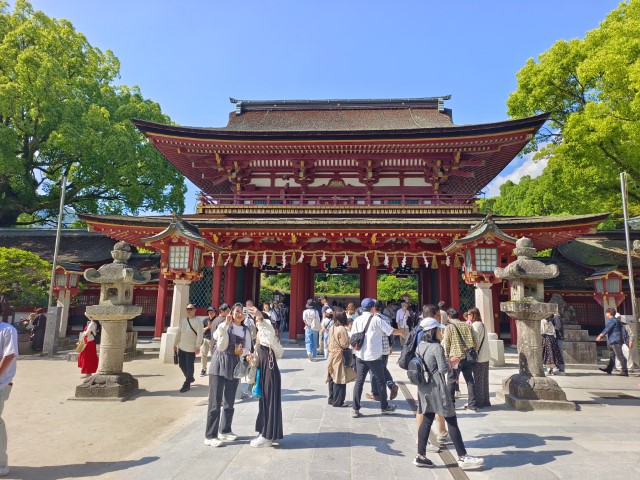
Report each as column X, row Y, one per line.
column 191, row 56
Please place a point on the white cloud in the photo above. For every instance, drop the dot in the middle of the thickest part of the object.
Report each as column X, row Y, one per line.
column 523, row 166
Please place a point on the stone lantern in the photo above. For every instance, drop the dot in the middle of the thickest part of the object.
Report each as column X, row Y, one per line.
column 607, row 286
column 182, row 250
column 65, row 286
column 485, row 248
column 530, row 389
column 113, row 311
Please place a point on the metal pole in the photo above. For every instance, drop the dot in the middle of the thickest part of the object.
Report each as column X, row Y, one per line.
column 57, row 247
column 632, row 288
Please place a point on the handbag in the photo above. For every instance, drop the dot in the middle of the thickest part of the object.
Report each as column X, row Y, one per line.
column 175, row 357
column 357, row 339
column 470, row 356
column 257, row 391
column 240, row 370
column 251, row 374
column 80, row 346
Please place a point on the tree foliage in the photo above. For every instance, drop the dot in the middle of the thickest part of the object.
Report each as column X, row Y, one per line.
column 60, row 112
column 591, row 89
column 23, row 277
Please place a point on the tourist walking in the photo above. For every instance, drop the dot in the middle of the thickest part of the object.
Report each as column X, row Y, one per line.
column 402, row 320
column 269, row 420
column 558, row 325
column 458, row 338
column 233, row 345
column 551, row 356
column 369, row 356
column 88, row 357
column 434, row 398
column 387, row 349
column 8, row 356
column 627, row 347
column 39, row 324
column 187, row 344
column 312, row 328
column 615, row 333
column 339, row 372
column 327, row 321
column 481, row 368
column 206, row 338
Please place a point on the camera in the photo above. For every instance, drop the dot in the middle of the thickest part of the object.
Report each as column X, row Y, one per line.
column 245, row 310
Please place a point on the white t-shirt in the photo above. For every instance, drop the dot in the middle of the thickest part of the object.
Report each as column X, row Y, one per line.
column 372, row 346
column 8, row 346
column 308, row 317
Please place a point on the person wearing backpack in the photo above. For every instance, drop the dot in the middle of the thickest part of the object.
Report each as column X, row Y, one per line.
column 366, row 332
column 460, row 343
column 434, row 397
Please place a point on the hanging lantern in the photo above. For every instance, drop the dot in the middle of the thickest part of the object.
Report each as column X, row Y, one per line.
column 256, row 263
column 456, row 262
column 394, row 264
column 273, row 262
column 414, row 263
column 294, row 260
column 314, row 261
column 238, row 262
column 219, row 261
column 334, row 262
column 354, row 261
column 434, row 262
column 376, row 260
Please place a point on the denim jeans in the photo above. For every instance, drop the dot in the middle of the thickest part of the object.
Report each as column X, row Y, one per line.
column 311, row 341
column 326, row 344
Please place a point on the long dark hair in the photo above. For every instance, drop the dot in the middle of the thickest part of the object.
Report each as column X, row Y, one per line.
column 340, row 317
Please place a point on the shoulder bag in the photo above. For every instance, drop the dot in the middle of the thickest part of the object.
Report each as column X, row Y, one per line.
column 470, row 356
column 357, row 339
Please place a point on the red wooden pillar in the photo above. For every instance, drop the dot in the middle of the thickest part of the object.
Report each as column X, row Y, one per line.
column 310, row 276
column 255, row 294
column 216, row 287
column 426, row 286
column 443, row 284
column 421, row 301
column 363, row 281
column 454, row 287
column 161, row 307
column 371, row 282
column 249, row 278
column 230, row 284
column 296, row 304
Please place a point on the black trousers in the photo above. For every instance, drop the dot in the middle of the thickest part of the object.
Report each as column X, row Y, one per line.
column 467, row 373
column 186, row 361
column 387, row 377
column 222, row 397
column 452, row 427
column 362, row 368
column 615, row 350
column 337, row 393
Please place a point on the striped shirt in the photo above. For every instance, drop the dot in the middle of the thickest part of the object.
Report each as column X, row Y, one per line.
column 455, row 345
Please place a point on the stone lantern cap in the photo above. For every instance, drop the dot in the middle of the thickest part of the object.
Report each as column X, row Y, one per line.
column 485, row 230
column 525, row 267
column 117, row 272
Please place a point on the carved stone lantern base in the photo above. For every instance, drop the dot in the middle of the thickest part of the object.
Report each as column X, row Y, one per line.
column 526, row 393
column 119, row 386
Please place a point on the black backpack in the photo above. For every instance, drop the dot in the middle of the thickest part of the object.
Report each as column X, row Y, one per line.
column 409, row 348
column 417, row 372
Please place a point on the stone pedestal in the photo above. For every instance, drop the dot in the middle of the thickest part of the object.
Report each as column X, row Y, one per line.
column 577, row 348
column 166, row 344
column 525, row 393
column 496, row 350
column 118, row 387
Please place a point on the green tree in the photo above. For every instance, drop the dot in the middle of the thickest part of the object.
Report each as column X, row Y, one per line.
column 60, row 112
column 391, row 287
column 591, row 90
column 23, row 277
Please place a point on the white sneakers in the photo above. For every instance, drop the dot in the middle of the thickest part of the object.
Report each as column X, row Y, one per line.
column 227, row 437
column 212, row 442
column 469, row 463
column 260, row 442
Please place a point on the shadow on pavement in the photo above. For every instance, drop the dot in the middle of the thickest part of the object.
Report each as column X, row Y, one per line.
column 295, row 441
column 78, row 470
column 294, row 395
column 510, row 459
column 517, row 440
column 195, row 391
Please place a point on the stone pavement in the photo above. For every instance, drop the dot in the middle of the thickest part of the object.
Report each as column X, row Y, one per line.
column 601, row 440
